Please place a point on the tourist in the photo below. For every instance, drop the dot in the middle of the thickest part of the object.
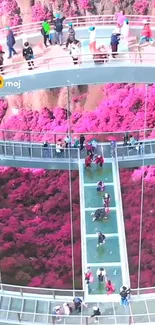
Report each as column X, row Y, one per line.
column 100, row 214
column 71, row 35
column 78, row 303
column 94, row 146
column 76, row 142
column 112, row 148
column 125, row 31
column 10, row 42
column 124, row 293
column 67, row 141
column 89, row 148
column 126, row 139
column 59, row 149
column 100, row 187
column 82, row 141
column 115, row 38
column 110, row 287
column 101, row 274
column 101, row 239
column 146, row 34
column 28, row 55
column 96, row 313
column 89, row 278
column 132, row 142
column 75, row 50
column 88, row 161
column 99, row 160
column 67, row 309
column 140, row 148
column 92, row 39
column 56, row 314
column 106, row 200
column 58, row 27
column 1, row 60
column 120, row 17
column 45, row 31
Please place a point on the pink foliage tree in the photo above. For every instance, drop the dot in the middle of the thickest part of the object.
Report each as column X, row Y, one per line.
column 40, row 12
column 35, row 228
column 11, row 9
column 141, row 7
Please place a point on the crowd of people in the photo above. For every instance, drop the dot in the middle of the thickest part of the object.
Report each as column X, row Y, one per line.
column 132, row 143
column 75, row 307
column 53, row 34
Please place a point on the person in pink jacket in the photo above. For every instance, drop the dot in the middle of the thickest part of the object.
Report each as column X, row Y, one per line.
column 146, row 34
column 120, row 16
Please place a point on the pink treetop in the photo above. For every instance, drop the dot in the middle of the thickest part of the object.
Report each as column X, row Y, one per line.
column 40, row 12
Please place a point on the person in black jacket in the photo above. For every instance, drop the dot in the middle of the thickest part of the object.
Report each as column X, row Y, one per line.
column 115, row 38
column 28, row 55
column 82, row 140
column 101, row 239
column 71, row 35
column 10, row 41
column 96, row 312
column 58, row 27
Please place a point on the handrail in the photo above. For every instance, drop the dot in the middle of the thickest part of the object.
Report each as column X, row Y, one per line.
column 87, row 133
column 83, row 20
column 80, row 316
column 9, row 135
column 61, row 60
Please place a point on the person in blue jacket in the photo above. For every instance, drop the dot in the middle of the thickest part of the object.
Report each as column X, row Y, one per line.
column 115, row 38
column 10, row 41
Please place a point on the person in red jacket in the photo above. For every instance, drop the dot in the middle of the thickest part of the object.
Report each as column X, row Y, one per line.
column 110, row 287
column 88, row 161
column 99, row 160
column 146, row 34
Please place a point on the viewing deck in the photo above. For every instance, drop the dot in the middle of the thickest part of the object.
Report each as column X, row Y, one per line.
column 54, row 66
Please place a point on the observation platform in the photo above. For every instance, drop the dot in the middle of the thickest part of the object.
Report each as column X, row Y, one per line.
column 54, row 66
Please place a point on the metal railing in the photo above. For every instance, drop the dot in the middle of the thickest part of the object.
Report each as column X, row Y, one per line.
column 48, row 318
column 146, row 148
column 39, row 137
column 65, row 62
column 142, row 291
column 52, row 293
column 36, row 151
column 81, row 21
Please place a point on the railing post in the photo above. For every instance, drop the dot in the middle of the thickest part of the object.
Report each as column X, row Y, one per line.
column 21, row 291
column 53, row 294
column 87, row 320
column 18, row 316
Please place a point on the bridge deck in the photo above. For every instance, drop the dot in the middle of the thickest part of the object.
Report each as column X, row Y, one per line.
column 35, row 311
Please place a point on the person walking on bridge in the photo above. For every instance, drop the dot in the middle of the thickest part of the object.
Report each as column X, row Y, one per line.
column 71, row 35
column 10, row 41
column 58, row 27
column 115, row 38
column 146, row 34
column 92, row 39
column 45, row 31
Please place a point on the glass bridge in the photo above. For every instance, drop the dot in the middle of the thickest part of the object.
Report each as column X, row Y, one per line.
column 35, row 305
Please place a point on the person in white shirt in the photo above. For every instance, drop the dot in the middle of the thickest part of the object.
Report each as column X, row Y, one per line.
column 101, row 274
column 66, row 309
column 125, row 31
column 92, row 39
column 75, row 50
